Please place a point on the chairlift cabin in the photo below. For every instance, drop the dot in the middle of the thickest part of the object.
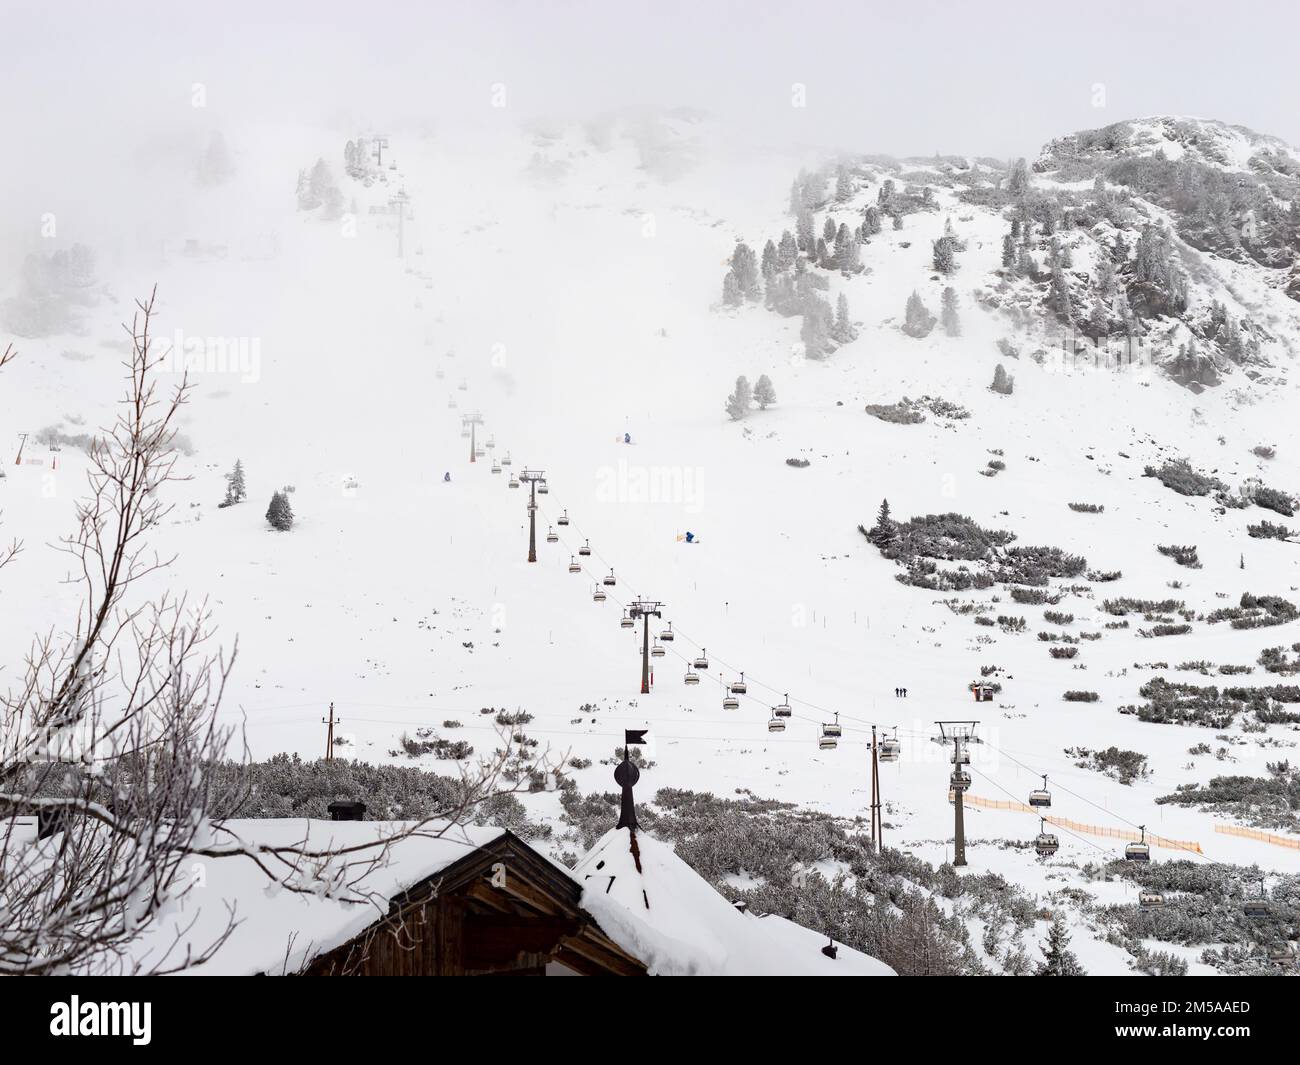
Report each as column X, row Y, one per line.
column 775, row 724
column 1150, row 900
column 496, row 467
column 1139, row 851
column 573, row 565
column 657, row 651
column 1045, row 842
column 825, row 742
column 585, row 549
column 1257, row 906
column 739, row 687
column 514, row 481
column 506, row 462
column 1282, row 953
column 563, row 519
column 609, row 581
column 782, row 709
column 691, row 677
column 959, row 756
column 542, row 489
column 491, row 443
column 702, row 659
column 599, row 595
column 626, row 622
column 890, row 749
column 552, row 537
column 1041, row 796
column 667, row 635
column 959, row 779
column 833, row 729
column 479, row 453
column 731, row 703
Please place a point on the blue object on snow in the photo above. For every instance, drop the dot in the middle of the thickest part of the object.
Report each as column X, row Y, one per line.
column 627, row 438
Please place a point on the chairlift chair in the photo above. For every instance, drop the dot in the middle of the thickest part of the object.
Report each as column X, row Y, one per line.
column 739, row 687
column 775, row 724
column 585, row 549
column 1139, row 851
column 451, row 402
column 514, row 482
column 1257, row 906
column 464, row 432
column 439, row 374
column 702, row 659
column 626, row 622
column 1150, row 900
column 506, row 461
column 563, row 519
column 959, row 779
column 552, row 537
column 599, row 595
column 667, row 635
column 731, row 703
column 827, row 743
column 1041, row 796
column 609, row 581
column 542, row 489
column 479, row 453
column 496, row 467
column 890, row 749
column 573, row 565
column 657, row 651
column 832, row 729
column 464, row 385
column 691, row 677
column 782, row 709
column 959, row 758
column 1046, row 842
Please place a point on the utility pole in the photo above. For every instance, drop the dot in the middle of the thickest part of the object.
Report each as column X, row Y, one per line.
column 532, row 478
column 380, row 144
column 398, row 204
column 21, row 444
column 645, row 610
column 877, row 826
column 472, row 421
column 331, row 721
column 959, row 734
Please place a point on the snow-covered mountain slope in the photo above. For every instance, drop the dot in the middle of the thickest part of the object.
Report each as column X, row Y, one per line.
column 571, row 282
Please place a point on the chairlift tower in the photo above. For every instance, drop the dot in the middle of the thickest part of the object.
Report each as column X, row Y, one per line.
column 532, row 478
column 877, row 828
column 645, row 610
column 398, row 205
column 472, row 422
column 380, row 143
column 959, row 734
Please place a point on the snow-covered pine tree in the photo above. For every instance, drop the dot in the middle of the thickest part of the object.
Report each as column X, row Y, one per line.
column 235, row 490
column 871, row 221
column 744, row 264
column 829, row 230
column 279, row 514
column 1003, row 383
column 945, row 255
column 731, row 296
column 843, row 185
column 1009, row 252
column 842, row 330
column 764, row 392
column 885, row 529
column 787, row 252
column 948, row 313
column 739, row 400
column 917, row 319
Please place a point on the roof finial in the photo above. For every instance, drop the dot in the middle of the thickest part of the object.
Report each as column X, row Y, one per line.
column 626, row 774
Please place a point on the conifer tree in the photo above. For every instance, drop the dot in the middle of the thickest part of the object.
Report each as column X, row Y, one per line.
column 235, row 490
column 764, row 392
column 739, row 400
column 884, row 530
column 1058, row 959
column 917, row 319
column 948, row 313
column 279, row 513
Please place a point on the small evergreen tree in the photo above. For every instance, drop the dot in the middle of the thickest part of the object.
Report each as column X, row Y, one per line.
column 948, row 313
column 731, row 296
column 1058, row 959
column 885, row 529
column 843, row 185
column 738, row 402
column 843, row 330
column 279, row 513
column 945, row 257
column 917, row 319
column 1003, row 383
column 764, row 393
column 235, row 490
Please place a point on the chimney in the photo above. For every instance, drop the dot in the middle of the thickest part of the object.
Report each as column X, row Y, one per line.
column 347, row 810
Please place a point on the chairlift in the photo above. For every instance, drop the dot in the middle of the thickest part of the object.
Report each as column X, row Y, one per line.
column 506, row 462
column 731, row 703
column 1150, row 900
column 479, row 453
column 691, row 677
column 563, row 519
column 961, row 757
column 496, row 467
column 832, row 729
column 1046, row 842
column 542, row 489
column 890, row 748
column 775, row 724
column 609, row 581
column 1041, row 796
column 464, row 385
column 1257, row 906
column 573, row 565
column 1139, row 851
column 514, row 481
column 585, row 549
column 439, row 374
column 702, row 659
column 1282, row 953
column 451, row 402
column 552, row 537
column 491, row 443
column 783, row 709
column 667, row 635
column 739, row 687
column 599, row 595
column 959, row 779
column 657, row 651
column 827, row 742
column 626, row 622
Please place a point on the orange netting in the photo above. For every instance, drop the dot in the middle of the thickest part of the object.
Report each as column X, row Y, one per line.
column 1263, row 837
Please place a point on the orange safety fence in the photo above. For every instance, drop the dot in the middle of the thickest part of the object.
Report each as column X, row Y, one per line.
column 1263, row 837
column 1079, row 826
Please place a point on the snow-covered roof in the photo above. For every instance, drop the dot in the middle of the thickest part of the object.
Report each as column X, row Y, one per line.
column 276, row 929
column 669, row 916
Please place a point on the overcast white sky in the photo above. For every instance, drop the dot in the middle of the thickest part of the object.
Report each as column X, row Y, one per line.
column 903, row 77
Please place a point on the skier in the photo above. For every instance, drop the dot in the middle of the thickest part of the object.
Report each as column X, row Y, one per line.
column 627, row 438
column 690, row 537
column 446, row 477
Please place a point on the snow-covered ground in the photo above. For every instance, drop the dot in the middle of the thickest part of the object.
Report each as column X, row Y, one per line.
column 576, row 302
